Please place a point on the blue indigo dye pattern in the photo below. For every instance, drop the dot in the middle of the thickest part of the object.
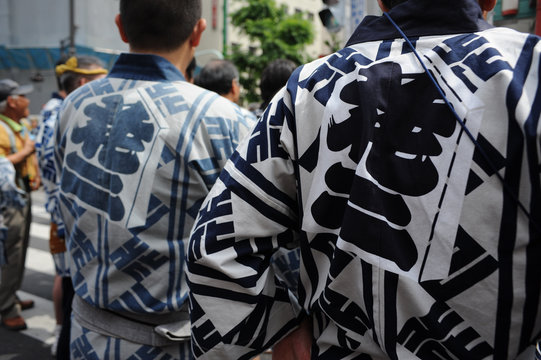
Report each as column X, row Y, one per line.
column 45, row 153
column 409, row 246
column 10, row 196
column 45, row 145
column 137, row 152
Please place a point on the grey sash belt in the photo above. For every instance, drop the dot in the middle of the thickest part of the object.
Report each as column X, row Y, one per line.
column 155, row 330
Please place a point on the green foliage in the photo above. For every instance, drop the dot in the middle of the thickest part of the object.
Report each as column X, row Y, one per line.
column 273, row 34
column 333, row 44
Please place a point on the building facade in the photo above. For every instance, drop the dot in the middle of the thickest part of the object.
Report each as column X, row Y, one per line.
column 33, row 33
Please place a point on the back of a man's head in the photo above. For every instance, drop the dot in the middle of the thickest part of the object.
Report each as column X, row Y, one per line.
column 274, row 77
column 217, row 76
column 159, row 25
column 77, row 67
column 62, row 60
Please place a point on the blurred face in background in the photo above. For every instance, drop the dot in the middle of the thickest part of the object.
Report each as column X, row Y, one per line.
column 19, row 106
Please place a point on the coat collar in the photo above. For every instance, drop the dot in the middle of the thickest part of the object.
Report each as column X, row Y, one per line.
column 145, row 67
column 423, row 18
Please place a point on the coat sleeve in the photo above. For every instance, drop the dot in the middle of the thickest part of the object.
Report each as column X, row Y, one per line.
column 239, row 306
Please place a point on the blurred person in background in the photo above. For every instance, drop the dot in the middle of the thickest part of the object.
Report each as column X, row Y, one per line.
column 273, row 78
column 71, row 73
column 17, row 147
column 222, row 77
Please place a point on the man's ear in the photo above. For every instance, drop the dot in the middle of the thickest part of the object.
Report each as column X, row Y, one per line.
column 11, row 102
column 120, row 27
column 382, row 6
column 198, row 29
column 82, row 81
column 234, row 87
column 487, row 5
column 235, row 91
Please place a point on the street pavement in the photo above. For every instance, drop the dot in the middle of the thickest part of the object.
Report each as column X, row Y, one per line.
column 35, row 342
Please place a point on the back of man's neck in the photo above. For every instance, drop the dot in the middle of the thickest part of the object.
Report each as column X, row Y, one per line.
column 180, row 57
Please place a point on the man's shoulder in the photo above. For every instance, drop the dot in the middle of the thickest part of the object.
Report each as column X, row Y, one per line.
column 51, row 104
column 4, row 135
column 6, row 128
column 168, row 98
column 7, row 139
column 248, row 115
column 200, row 101
column 505, row 34
column 212, row 103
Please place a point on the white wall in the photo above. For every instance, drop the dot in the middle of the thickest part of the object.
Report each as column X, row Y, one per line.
column 212, row 38
column 33, row 22
column 44, row 23
column 96, row 24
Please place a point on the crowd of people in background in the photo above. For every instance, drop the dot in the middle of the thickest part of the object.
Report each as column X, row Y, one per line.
column 381, row 202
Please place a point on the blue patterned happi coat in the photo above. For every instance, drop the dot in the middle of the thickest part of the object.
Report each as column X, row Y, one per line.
column 137, row 152
column 410, row 247
column 10, row 197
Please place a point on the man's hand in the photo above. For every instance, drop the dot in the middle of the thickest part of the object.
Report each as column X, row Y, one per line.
column 35, row 183
column 296, row 345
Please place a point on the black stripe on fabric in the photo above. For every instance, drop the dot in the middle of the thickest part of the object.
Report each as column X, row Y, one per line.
column 273, row 340
column 368, row 296
column 221, row 293
column 263, row 183
column 258, row 204
column 533, row 252
column 390, row 288
column 508, row 226
column 495, row 157
column 249, row 281
column 310, row 266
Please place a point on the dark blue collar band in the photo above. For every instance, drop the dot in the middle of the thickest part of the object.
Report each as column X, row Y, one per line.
column 145, row 67
column 423, row 18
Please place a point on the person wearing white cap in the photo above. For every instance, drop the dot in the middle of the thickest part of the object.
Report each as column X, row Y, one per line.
column 19, row 149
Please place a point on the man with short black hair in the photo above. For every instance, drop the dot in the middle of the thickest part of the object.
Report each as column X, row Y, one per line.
column 273, row 78
column 137, row 152
column 407, row 167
